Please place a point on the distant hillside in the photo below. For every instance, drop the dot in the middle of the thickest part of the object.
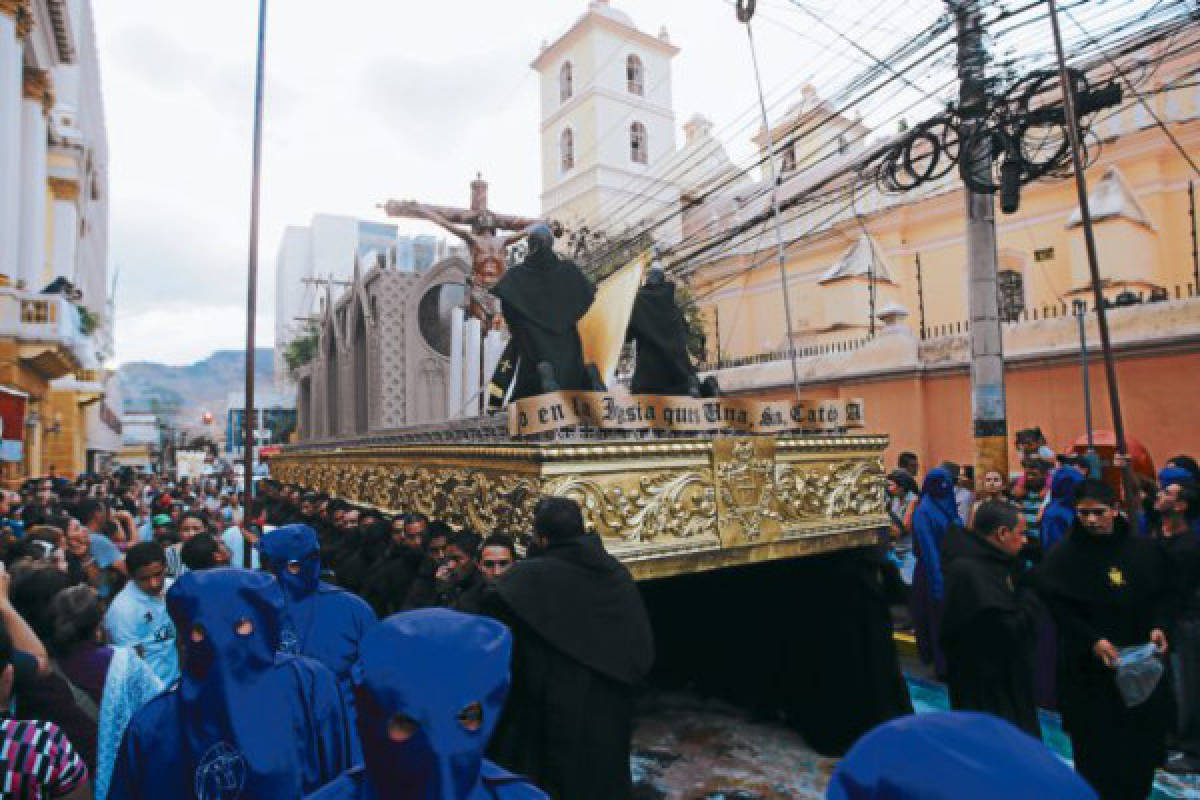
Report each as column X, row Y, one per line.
column 185, row 393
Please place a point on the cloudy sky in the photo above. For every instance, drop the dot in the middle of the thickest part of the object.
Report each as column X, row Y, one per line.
column 370, row 99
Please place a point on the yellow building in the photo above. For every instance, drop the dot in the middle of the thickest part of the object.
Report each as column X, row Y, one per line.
column 911, row 249
column 53, row 235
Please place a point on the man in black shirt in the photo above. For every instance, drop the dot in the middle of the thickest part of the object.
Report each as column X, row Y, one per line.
column 582, row 644
column 1107, row 589
column 387, row 584
column 989, row 627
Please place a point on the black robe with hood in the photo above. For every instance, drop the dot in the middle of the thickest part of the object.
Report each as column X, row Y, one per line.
column 582, row 644
column 542, row 300
column 1112, row 587
column 1182, row 552
column 989, row 634
column 657, row 326
column 387, row 584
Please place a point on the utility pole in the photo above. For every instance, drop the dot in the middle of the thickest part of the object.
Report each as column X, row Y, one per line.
column 1195, row 249
column 252, row 271
column 920, row 297
column 745, row 11
column 987, row 348
column 1089, row 240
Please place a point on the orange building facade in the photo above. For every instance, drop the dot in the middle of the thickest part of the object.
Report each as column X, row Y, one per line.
column 909, row 251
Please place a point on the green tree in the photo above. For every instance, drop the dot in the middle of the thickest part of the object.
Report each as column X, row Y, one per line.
column 303, row 349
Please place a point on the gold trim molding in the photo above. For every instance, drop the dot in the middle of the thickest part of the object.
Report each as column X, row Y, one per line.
column 20, row 10
column 64, row 188
column 663, row 507
column 37, row 84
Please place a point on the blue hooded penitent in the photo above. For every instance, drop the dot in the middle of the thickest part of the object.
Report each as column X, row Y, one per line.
column 935, row 513
column 430, row 686
column 953, row 756
column 320, row 621
column 1059, row 516
column 242, row 722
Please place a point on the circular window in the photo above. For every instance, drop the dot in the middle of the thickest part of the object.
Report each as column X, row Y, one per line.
column 433, row 314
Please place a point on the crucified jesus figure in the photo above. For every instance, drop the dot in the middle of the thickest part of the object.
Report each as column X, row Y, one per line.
column 479, row 229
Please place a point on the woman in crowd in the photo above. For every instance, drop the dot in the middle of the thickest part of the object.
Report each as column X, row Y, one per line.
column 903, row 493
column 991, row 489
column 111, row 683
column 50, row 697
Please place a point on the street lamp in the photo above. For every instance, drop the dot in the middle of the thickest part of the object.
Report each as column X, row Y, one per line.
column 1080, row 309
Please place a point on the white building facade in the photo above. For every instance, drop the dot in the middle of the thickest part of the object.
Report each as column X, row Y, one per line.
column 608, row 125
column 54, row 229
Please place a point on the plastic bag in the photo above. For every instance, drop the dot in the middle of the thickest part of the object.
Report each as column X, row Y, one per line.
column 1139, row 670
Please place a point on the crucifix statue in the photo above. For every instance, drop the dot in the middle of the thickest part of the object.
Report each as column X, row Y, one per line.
column 478, row 228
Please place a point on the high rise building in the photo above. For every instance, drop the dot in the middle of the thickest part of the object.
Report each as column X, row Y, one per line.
column 425, row 252
column 326, row 249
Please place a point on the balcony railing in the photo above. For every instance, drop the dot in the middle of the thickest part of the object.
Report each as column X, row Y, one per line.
column 802, row 351
column 47, row 319
column 1062, row 309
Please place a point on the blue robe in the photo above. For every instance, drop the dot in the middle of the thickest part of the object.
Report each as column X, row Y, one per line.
column 429, row 667
column 956, row 754
column 1059, row 516
column 321, row 621
column 242, row 722
column 936, row 513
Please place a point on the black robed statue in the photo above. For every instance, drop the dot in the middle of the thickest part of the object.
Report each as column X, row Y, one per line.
column 542, row 300
column 660, row 331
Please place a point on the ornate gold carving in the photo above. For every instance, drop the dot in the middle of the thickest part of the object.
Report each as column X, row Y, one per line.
column 64, row 188
column 745, row 481
column 665, row 507
column 678, row 504
column 36, row 84
column 23, row 13
column 830, row 490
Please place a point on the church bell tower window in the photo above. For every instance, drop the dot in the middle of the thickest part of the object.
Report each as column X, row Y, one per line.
column 567, row 146
column 566, row 82
column 635, row 75
column 639, row 145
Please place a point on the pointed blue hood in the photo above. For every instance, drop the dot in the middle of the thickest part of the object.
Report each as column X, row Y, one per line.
column 953, row 756
column 444, row 676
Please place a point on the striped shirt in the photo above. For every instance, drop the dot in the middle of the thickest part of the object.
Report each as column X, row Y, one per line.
column 37, row 761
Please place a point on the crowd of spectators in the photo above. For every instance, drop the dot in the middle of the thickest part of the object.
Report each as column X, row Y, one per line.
column 1046, row 589
column 146, row 619
column 156, row 634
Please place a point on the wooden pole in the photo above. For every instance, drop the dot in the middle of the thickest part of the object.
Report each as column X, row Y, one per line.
column 1089, row 239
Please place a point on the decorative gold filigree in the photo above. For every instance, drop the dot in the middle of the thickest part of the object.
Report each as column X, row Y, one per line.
column 830, row 491
column 746, row 483
column 659, row 505
column 664, row 507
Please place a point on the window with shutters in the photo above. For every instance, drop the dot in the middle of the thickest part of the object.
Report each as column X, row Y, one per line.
column 1011, row 285
column 635, row 75
column 567, row 149
column 566, row 82
column 639, row 144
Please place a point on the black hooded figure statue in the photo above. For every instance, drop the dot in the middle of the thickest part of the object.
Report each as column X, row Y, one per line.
column 542, row 300
column 657, row 326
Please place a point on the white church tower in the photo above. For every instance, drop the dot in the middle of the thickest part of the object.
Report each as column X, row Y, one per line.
column 608, row 125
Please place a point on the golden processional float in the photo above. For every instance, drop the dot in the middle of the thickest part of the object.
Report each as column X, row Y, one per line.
column 673, row 485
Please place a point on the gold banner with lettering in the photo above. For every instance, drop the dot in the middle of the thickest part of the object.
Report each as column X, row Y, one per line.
column 608, row 411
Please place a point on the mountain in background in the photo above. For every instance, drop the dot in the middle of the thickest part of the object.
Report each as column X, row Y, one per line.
column 183, row 394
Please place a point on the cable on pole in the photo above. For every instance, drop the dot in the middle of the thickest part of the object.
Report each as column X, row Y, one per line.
column 745, row 11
